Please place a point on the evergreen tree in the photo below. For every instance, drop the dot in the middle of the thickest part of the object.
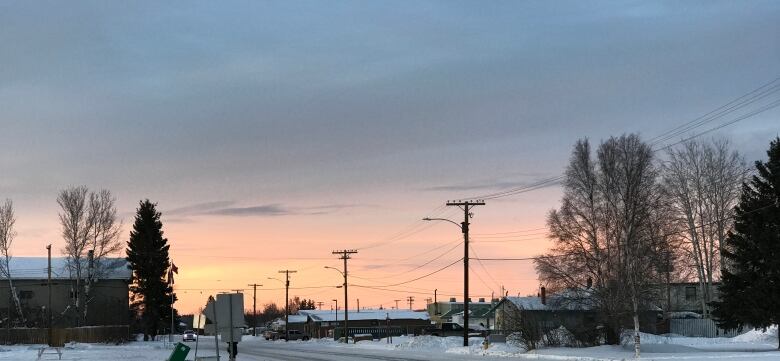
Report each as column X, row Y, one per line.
column 750, row 289
column 147, row 253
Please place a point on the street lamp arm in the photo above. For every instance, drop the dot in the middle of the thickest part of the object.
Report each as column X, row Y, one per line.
column 335, row 269
column 445, row 220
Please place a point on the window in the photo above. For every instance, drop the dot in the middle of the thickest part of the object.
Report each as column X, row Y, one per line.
column 690, row 293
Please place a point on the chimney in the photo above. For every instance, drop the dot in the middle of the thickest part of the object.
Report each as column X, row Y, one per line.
column 482, row 299
column 544, row 296
column 452, row 299
column 590, row 282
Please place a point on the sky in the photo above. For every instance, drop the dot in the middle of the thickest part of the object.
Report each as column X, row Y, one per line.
column 272, row 133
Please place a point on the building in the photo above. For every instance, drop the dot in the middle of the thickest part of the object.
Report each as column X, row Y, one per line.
column 442, row 311
column 685, row 297
column 572, row 310
column 108, row 302
column 323, row 323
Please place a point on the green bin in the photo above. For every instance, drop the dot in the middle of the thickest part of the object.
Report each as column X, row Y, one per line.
column 179, row 353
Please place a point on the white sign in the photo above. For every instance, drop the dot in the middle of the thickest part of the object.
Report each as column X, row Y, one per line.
column 230, row 304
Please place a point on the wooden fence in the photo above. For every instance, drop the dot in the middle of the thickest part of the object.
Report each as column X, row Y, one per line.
column 60, row 336
column 700, row 328
column 378, row 331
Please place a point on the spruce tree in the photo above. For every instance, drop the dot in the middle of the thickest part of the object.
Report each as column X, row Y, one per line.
column 750, row 289
column 147, row 254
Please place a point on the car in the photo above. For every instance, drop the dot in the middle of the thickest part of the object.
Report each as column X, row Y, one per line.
column 189, row 335
column 294, row 335
column 270, row 335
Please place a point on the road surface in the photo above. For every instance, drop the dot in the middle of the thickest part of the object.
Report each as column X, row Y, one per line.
column 318, row 351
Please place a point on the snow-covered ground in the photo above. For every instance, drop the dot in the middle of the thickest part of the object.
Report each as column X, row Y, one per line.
column 754, row 345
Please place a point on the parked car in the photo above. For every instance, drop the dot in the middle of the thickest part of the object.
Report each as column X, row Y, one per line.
column 294, row 335
column 270, row 335
column 189, row 335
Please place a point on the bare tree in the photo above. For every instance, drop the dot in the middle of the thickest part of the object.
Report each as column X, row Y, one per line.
column 7, row 235
column 104, row 230
column 76, row 229
column 703, row 182
column 91, row 229
column 607, row 230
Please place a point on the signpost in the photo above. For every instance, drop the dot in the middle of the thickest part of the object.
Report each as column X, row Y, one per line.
column 228, row 308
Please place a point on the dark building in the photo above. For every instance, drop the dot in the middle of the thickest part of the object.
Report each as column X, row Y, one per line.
column 107, row 304
column 321, row 323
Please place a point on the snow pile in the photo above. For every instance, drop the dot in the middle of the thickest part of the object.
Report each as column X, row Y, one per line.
column 430, row 343
column 759, row 336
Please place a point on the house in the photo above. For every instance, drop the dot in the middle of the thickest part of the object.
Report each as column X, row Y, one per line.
column 108, row 302
column 323, row 323
column 481, row 317
column 444, row 311
column 573, row 310
column 685, row 296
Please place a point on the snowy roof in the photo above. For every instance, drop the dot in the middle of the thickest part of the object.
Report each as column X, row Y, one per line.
column 294, row 319
column 35, row 268
column 329, row 315
column 553, row 303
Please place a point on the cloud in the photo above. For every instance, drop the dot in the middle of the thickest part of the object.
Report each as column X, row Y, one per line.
column 199, row 208
column 227, row 208
column 261, row 210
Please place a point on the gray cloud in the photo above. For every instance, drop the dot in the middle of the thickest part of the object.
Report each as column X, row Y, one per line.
column 226, row 208
column 200, row 208
column 261, row 210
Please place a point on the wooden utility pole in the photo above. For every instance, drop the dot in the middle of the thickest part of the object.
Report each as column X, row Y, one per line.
column 396, row 303
column 254, row 308
column 345, row 256
column 410, row 299
column 464, row 227
column 287, row 303
column 48, row 309
column 319, row 304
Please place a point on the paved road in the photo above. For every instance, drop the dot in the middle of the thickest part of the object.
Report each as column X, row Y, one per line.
column 296, row 351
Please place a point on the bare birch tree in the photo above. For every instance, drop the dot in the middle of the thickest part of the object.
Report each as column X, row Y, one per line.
column 703, row 181
column 7, row 235
column 76, row 230
column 91, row 229
column 104, row 230
column 607, row 231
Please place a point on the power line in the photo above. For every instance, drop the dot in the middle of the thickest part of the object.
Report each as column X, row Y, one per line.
column 425, row 275
column 415, row 268
column 727, row 108
column 719, row 112
column 756, row 112
column 532, row 258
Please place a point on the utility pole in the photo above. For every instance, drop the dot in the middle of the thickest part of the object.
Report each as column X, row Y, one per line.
column 254, row 308
column 48, row 285
column 410, row 299
column 319, row 304
column 464, row 226
column 436, row 301
column 345, row 256
column 396, row 303
column 287, row 303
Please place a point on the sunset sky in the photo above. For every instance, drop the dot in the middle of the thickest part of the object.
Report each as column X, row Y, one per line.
column 271, row 133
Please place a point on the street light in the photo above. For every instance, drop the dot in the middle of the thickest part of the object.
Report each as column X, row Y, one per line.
column 464, row 227
column 346, row 314
column 286, row 305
